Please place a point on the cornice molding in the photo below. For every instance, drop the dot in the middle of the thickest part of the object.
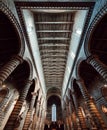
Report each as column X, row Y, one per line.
column 76, row 5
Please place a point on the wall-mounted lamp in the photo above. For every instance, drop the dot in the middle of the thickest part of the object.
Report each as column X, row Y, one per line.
column 105, row 85
column 4, row 86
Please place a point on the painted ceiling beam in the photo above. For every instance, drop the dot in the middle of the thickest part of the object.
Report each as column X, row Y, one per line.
column 61, row 22
column 54, row 50
column 51, row 79
column 54, row 72
column 54, row 44
column 53, row 64
column 54, row 59
column 54, row 67
column 53, row 38
column 53, row 31
column 53, row 56
column 53, row 75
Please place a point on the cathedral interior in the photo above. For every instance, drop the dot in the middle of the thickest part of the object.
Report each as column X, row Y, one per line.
column 53, row 64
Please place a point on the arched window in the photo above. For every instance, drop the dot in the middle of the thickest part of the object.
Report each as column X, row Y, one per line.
column 54, row 112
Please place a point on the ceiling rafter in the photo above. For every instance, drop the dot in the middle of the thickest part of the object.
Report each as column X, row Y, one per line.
column 53, row 31
column 54, row 59
column 51, row 64
column 48, row 77
column 62, row 63
column 53, row 56
column 54, row 44
column 54, row 51
column 51, row 79
column 61, row 22
column 53, row 73
column 53, row 82
column 54, row 85
column 54, row 68
column 54, row 47
column 53, row 38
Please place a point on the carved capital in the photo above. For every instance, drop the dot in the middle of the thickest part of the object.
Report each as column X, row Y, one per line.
column 79, row 81
column 19, row 58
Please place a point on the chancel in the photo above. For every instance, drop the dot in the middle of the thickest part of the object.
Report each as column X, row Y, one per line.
column 53, row 64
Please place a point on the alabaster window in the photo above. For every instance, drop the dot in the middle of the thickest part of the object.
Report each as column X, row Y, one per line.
column 53, row 112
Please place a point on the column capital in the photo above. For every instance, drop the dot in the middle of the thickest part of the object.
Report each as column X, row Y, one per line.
column 39, row 102
column 79, row 81
column 91, row 57
column 19, row 58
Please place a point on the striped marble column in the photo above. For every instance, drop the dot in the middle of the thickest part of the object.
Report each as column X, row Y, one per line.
column 67, row 119
column 75, row 100
column 40, row 117
column 29, row 117
column 82, row 119
column 38, row 105
column 38, row 110
column 75, row 111
column 67, row 115
column 8, row 68
column 3, row 105
column 91, row 106
column 34, row 121
column 98, row 66
column 14, row 118
column 33, row 100
column 71, row 107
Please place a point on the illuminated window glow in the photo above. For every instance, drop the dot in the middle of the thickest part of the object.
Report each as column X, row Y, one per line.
column 54, row 112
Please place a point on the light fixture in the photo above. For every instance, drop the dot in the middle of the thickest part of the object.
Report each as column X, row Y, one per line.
column 4, row 86
column 104, row 109
column 105, row 85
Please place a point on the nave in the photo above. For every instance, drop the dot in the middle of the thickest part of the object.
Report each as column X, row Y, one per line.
column 53, row 65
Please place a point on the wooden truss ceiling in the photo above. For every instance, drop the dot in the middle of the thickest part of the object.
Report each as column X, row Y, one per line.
column 54, row 33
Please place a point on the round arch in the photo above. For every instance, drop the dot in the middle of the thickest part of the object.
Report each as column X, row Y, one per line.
column 92, row 27
column 4, row 9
